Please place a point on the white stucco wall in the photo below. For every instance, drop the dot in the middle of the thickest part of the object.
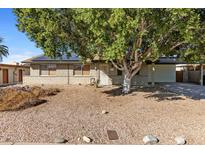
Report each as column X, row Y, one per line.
column 13, row 74
column 10, row 75
column 34, row 70
column 62, row 70
column 64, row 75
column 32, row 80
column 82, row 79
column 139, row 79
column 163, row 73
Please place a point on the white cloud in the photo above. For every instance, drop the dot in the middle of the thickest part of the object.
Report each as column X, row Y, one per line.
column 13, row 57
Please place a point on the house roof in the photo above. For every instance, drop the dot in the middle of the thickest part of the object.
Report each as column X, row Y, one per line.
column 12, row 65
column 75, row 58
column 43, row 58
column 189, row 64
column 169, row 60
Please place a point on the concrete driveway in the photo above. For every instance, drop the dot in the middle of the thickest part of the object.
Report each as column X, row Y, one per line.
column 191, row 90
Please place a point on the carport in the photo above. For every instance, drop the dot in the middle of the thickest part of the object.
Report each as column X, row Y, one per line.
column 190, row 73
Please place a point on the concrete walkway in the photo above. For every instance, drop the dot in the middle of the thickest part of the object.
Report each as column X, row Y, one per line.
column 187, row 89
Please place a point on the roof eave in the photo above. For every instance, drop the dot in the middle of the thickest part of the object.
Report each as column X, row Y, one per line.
column 53, row 61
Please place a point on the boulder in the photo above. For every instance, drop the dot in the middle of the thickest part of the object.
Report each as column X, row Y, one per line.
column 183, row 97
column 150, row 139
column 87, row 139
column 60, row 140
column 104, row 112
column 180, row 140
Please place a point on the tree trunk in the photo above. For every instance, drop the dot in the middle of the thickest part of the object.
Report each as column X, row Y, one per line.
column 129, row 72
column 128, row 75
column 126, row 84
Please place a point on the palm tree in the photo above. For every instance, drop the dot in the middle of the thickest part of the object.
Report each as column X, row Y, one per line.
column 3, row 50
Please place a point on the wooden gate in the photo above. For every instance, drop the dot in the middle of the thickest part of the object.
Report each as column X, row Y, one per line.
column 5, row 76
column 179, row 76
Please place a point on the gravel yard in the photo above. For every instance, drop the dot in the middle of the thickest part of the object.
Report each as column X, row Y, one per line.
column 77, row 111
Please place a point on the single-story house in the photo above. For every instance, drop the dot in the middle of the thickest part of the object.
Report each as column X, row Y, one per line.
column 12, row 73
column 193, row 73
column 46, row 70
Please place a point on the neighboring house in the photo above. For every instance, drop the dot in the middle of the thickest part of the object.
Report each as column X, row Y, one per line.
column 45, row 70
column 193, row 73
column 12, row 74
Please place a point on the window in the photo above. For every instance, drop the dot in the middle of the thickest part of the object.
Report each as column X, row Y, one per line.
column 77, row 70
column 81, row 70
column 43, row 70
column 49, row 69
column 119, row 72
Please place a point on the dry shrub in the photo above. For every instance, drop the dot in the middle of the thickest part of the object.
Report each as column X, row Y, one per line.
column 17, row 98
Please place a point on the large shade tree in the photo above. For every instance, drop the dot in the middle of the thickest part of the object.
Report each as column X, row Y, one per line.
column 125, row 37
column 3, row 50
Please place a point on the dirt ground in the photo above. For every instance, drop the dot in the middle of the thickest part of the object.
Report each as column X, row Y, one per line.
column 77, row 111
column 17, row 98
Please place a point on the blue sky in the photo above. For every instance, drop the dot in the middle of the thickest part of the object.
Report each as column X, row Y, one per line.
column 20, row 47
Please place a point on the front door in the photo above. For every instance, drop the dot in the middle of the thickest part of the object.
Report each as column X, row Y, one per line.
column 5, row 76
column 20, row 75
column 104, row 75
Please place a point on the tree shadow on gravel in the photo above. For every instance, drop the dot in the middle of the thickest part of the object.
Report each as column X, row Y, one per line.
column 114, row 92
column 26, row 105
column 165, row 96
column 33, row 103
column 160, row 94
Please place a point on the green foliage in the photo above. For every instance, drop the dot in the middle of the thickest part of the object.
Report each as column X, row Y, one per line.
column 3, row 50
column 116, row 33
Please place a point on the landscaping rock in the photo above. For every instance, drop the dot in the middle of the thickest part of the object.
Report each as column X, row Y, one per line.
column 87, row 139
column 180, row 140
column 183, row 97
column 104, row 112
column 150, row 139
column 60, row 140
column 159, row 92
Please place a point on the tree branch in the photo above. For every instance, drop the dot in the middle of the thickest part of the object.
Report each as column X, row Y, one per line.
column 139, row 41
column 135, row 66
column 176, row 45
column 147, row 52
column 125, row 65
column 137, row 69
column 167, row 34
column 116, row 66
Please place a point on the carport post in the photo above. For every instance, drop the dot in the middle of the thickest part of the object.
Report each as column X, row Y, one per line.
column 202, row 74
column 152, row 74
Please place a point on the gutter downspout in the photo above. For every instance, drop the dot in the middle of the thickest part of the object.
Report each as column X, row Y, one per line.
column 152, row 74
column 202, row 75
